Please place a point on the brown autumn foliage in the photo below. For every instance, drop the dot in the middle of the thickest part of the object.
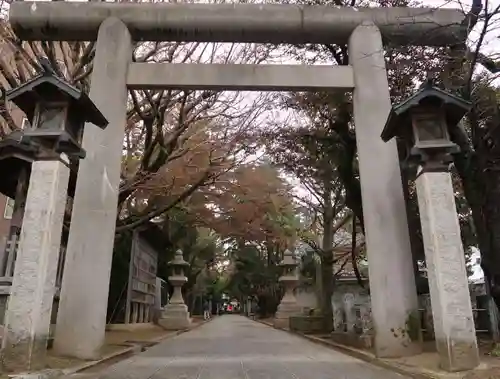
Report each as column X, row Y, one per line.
column 251, row 203
column 175, row 141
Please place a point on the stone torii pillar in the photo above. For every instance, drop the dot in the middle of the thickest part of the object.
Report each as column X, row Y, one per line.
column 390, row 262
column 81, row 318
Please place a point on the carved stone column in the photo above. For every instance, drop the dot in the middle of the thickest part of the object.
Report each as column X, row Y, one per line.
column 453, row 320
column 27, row 318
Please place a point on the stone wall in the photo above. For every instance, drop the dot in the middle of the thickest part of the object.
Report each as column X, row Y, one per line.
column 352, row 309
column 350, row 303
column 352, row 320
column 306, row 298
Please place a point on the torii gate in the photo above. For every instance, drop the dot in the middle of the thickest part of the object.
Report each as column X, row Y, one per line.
column 82, row 310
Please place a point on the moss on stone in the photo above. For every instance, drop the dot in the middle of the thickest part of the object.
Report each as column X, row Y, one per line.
column 413, row 326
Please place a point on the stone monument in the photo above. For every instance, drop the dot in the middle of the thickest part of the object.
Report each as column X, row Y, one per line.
column 176, row 315
column 288, row 305
column 453, row 319
column 425, row 122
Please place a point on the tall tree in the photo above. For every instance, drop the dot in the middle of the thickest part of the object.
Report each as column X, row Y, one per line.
column 406, row 67
column 165, row 130
column 250, row 203
column 311, row 154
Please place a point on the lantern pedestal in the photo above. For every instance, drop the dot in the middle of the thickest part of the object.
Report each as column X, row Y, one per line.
column 450, row 299
column 176, row 315
column 27, row 318
column 288, row 305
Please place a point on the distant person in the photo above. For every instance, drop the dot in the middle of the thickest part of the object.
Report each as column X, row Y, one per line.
column 254, row 310
column 206, row 310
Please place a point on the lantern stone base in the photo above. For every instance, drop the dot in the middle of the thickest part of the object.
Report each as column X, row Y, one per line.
column 453, row 318
column 175, row 317
column 283, row 314
column 24, row 354
column 29, row 308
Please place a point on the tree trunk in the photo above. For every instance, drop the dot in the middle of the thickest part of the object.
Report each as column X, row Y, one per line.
column 479, row 168
column 488, row 149
column 327, row 258
column 269, row 253
column 318, row 280
column 412, row 215
column 481, row 184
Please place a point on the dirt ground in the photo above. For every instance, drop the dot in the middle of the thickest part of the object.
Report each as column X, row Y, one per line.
column 490, row 354
column 115, row 340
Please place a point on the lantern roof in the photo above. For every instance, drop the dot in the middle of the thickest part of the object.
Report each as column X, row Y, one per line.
column 178, row 260
column 454, row 106
column 47, row 86
column 288, row 259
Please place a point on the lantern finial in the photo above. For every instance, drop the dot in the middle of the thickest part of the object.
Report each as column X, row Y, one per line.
column 46, row 66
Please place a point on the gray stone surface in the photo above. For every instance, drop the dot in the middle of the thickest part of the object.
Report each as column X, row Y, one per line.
column 82, row 311
column 444, row 254
column 175, row 316
column 29, row 309
column 232, row 347
column 239, row 77
column 388, row 243
column 289, row 279
column 275, row 23
column 350, row 312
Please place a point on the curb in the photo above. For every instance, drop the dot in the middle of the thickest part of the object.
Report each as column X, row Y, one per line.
column 124, row 352
column 367, row 357
column 362, row 355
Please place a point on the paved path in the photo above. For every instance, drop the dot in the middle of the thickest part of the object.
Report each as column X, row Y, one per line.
column 234, row 347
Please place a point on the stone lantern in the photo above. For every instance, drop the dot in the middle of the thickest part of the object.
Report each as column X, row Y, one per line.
column 424, row 123
column 57, row 112
column 290, row 278
column 175, row 315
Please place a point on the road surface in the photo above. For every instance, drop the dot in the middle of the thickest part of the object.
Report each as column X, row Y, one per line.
column 234, row 347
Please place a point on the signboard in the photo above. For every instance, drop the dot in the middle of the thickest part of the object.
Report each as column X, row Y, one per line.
column 142, row 281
